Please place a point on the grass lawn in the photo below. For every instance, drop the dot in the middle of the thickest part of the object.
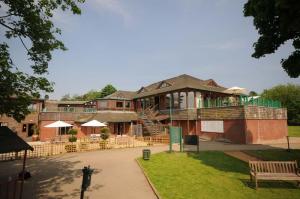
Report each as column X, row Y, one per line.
column 294, row 131
column 209, row 174
column 282, row 155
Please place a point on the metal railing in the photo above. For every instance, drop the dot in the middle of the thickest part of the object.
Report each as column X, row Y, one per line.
column 241, row 101
column 70, row 110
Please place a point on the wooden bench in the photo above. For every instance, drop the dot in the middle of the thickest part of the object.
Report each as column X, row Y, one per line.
column 274, row 170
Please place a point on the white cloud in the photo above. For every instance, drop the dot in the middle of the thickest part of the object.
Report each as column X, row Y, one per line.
column 115, row 7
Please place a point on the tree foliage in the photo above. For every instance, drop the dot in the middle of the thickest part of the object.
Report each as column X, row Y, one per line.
column 253, row 93
column 289, row 96
column 30, row 22
column 104, row 133
column 107, row 90
column 277, row 21
column 91, row 95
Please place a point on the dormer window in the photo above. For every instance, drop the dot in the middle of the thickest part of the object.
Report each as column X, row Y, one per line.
column 142, row 90
column 163, row 84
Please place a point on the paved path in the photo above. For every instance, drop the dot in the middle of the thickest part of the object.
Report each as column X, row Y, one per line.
column 116, row 175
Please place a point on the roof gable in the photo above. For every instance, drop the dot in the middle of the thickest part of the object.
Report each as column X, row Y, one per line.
column 163, row 84
column 143, row 89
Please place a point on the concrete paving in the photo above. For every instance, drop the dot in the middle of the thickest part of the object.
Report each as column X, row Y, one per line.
column 117, row 175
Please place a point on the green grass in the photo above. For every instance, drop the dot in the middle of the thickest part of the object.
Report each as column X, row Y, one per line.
column 294, row 131
column 209, row 175
column 280, row 154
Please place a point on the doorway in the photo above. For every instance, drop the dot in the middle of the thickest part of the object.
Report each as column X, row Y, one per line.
column 30, row 130
column 120, row 128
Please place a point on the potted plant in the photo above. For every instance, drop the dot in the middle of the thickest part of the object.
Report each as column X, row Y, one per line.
column 36, row 131
column 104, row 135
column 72, row 147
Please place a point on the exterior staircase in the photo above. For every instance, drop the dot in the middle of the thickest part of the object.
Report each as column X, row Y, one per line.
column 150, row 124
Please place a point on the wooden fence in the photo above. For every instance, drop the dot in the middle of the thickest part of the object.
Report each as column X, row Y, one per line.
column 86, row 144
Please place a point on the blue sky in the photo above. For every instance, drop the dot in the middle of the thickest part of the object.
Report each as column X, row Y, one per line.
column 132, row 43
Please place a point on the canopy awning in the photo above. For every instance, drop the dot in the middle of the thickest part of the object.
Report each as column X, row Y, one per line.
column 94, row 123
column 11, row 142
column 58, row 124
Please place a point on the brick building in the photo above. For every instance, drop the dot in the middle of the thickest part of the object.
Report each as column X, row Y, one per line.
column 200, row 107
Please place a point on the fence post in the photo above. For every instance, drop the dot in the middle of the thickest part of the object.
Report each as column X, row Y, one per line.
column 288, row 142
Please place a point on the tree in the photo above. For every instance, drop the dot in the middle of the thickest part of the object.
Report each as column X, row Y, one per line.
column 91, row 95
column 253, row 93
column 289, row 96
column 107, row 90
column 277, row 21
column 30, row 22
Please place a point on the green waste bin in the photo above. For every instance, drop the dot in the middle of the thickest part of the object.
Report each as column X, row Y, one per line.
column 146, row 154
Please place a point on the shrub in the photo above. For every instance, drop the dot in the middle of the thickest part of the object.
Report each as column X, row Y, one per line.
column 104, row 133
column 72, row 139
column 72, row 132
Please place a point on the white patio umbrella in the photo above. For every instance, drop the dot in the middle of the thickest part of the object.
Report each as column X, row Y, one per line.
column 236, row 90
column 94, row 123
column 58, row 124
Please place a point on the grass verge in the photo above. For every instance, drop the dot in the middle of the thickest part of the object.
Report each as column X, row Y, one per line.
column 294, row 131
column 209, row 174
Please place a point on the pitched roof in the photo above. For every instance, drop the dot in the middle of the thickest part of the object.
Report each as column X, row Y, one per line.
column 180, row 82
column 11, row 142
column 127, row 95
column 65, row 102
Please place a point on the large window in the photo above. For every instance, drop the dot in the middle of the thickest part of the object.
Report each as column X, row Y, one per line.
column 191, row 99
column 176, row 101
column 168, row 101
column 127, row 104
column 119, row 104
column 182, row 100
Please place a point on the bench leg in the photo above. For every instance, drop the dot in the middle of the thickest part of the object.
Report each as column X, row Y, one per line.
column 256, row 184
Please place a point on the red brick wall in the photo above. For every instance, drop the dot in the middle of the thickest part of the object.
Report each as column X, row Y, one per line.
column 233, row 131
column 258, row 131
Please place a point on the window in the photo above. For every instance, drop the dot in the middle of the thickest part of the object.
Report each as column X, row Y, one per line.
column 163, row 84
column 3, row 124
column 64, row 130
column 119, row 104
column 127, row 105
column 182, row 100
column 24, row 128
column 142, row 90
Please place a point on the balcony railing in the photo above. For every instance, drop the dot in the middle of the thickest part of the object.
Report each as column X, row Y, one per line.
column 70, row 110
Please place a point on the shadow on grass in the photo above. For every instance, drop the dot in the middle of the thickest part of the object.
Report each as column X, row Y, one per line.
column 220, row 161
column 49, row 175
column 270, row 184
column 276, row 155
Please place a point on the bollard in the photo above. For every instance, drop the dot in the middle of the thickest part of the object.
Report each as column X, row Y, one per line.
column 86, row 180
column 146, row 154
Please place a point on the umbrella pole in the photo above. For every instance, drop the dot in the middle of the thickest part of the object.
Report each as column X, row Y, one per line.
column 23, row 172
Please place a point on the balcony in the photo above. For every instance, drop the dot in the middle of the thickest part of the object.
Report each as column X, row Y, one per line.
column 70, row 110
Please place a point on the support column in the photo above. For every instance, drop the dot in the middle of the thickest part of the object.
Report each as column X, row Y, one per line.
column 187, row 108
column 195, row 99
